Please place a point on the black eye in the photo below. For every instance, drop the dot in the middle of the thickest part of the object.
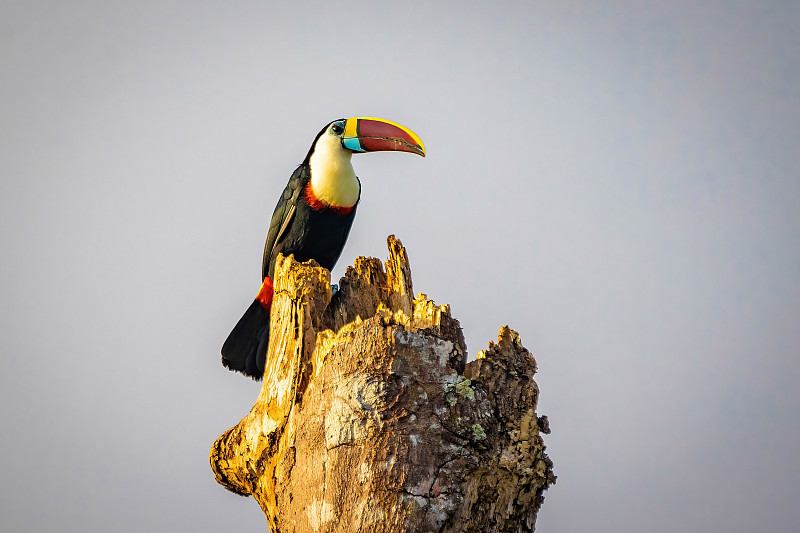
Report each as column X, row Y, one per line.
column 337, row 128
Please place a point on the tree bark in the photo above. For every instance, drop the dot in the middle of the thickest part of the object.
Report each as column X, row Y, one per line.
column 369, row 420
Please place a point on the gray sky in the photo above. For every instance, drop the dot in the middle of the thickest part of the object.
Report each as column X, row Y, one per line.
column 619, row 184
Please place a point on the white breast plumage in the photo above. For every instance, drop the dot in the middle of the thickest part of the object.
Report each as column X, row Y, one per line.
column 333, row 179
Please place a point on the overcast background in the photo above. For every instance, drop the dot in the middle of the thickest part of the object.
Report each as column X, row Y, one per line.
column 618, row 183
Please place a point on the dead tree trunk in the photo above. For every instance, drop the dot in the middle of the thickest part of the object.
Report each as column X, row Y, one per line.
column 369, row 420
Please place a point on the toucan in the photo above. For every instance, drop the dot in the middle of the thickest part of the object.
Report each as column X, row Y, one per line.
column 312, row 220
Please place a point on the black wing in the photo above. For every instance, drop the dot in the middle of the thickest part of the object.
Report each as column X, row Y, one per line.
column 282, row 216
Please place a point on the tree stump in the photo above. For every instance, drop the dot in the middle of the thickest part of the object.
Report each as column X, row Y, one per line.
column 369, row 420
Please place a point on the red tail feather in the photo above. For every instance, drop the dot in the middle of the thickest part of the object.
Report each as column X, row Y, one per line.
column 265, row 293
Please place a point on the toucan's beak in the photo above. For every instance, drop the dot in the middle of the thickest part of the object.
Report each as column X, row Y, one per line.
column 369, row 134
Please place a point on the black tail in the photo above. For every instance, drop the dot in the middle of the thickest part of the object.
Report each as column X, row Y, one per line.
column 245, row 349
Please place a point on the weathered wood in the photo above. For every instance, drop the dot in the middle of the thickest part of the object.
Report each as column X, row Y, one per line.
column 369, row 420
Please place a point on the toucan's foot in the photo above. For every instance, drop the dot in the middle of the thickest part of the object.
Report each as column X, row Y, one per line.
column 334, row 288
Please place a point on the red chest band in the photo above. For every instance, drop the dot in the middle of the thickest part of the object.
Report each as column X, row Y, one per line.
column 319, row 205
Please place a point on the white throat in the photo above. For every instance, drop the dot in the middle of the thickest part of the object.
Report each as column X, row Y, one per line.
column 333, row 179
